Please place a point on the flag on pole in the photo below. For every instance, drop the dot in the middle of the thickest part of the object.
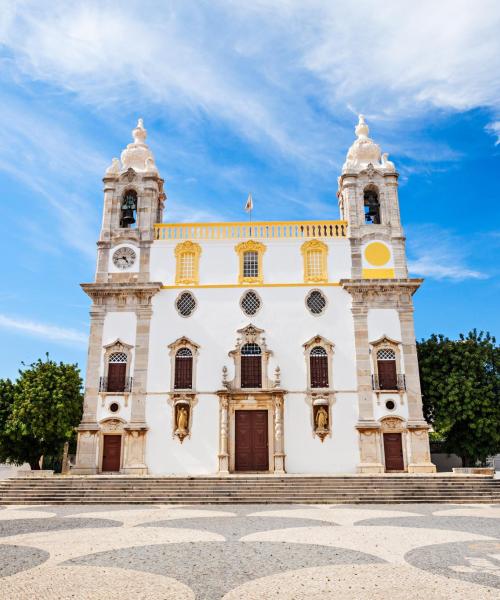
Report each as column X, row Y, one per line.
column 249, row 204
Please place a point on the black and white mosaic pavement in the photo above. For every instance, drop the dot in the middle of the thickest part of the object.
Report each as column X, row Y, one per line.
column 260, row 551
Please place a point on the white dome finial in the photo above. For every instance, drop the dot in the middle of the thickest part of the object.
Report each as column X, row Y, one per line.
column 139, row 133
column 362, row 129
column 137, row 155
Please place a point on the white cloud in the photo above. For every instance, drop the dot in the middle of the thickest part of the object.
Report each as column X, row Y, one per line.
column 494, row 129
column 43, row 330
column 439, row 254
column 265, row 67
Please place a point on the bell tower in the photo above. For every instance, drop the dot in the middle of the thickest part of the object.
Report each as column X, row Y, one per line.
column 121, row 311
column 133, row 202
column 381, row 294
column 368, row 201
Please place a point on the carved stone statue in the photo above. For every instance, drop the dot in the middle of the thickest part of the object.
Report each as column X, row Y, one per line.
column 182, row 418
column 321, row 419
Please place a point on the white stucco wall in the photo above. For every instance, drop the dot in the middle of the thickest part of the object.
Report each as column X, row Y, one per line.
column 288, row 325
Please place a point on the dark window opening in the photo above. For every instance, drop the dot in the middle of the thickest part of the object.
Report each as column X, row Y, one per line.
column 128, row 209
column 183, row 369
column 372, row 207
column 251, row 366
column 319, row 367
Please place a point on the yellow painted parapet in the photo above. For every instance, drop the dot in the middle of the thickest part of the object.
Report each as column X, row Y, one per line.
column 262, row 230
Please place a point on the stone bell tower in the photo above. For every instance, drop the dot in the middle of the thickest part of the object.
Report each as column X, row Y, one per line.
column 379, row 285
column 133, row 203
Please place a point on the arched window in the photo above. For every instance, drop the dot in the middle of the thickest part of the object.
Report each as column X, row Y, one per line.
column 319, row 367
column 183, row 369
column 251, row 366
column 386, row 367
column 128, row 209
column 372, row 206
column 187, row 256
column 117, row 372
column 314, row 253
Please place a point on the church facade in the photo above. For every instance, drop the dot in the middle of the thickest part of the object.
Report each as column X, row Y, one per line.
column 270, row 347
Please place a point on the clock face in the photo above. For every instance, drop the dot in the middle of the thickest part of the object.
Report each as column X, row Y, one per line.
column 124, row 258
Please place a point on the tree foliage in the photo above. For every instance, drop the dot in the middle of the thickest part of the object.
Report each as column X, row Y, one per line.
column 39, row 412
column 461, row 393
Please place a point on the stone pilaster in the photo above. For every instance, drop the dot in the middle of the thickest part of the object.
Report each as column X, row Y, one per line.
column 419, row 460
column 370, row 458
column 369, row 437
column 279, row 454
column 135, row 439
column 86, row 458
column 224, row 435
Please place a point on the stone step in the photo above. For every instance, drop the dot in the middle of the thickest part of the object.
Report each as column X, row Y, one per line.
column 250, row 489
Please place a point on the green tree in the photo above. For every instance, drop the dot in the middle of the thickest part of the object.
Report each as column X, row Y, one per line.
column 45, row 407
column 461, row 393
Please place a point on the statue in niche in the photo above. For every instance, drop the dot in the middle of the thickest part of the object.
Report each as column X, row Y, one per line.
column 321, row 419
column 182, row 422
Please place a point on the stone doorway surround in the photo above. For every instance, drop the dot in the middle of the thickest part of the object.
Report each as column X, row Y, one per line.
column 229, row 403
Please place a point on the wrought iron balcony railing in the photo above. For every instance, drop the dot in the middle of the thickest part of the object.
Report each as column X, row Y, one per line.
column 126, row 386
column 385, row 384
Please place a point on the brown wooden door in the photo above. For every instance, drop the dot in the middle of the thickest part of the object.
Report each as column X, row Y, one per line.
column 393, row 451
column 387, row 375
column 111, row 452
column 251, row 442
column 116, row 377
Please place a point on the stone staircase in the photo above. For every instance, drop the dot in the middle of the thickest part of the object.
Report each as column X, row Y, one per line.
column 251, row 489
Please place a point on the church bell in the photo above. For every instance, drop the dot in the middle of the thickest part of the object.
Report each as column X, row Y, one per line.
column 128, row 217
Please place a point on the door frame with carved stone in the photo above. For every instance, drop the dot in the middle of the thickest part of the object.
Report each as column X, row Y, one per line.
column 394, row 425
column 111, row 427
column 229, row 403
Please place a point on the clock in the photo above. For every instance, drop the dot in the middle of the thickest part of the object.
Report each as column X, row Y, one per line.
column 124, row 258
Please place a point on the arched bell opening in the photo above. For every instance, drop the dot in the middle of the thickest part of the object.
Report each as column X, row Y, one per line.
column 128, row 214
column 371, row 203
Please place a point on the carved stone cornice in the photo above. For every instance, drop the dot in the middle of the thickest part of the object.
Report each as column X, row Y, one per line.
column 381, row 293
column 129, row 295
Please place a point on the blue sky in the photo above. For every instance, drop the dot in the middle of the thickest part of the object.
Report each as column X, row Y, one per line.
column 238, row 98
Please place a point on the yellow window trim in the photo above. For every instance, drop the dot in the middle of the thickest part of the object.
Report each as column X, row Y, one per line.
column 251, row 246
column 322, row 248
column 181, row 249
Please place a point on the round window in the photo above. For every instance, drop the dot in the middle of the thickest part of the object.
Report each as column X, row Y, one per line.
column 316, row 302
column 390, row 405
column 250, row 303
column 114, row 407
column 185, row 304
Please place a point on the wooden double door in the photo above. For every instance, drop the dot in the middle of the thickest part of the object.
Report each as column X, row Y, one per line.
column 251, row 440
column 393, row 452
column 111, row 453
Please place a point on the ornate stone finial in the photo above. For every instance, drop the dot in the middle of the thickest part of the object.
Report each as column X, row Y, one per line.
column 114, row 168
column 362, row 129
column 386, row 163
column 277, row 377
column 224, row 376
column 139, row 133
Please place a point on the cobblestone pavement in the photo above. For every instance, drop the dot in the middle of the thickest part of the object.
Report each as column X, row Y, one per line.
column 256, row 552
